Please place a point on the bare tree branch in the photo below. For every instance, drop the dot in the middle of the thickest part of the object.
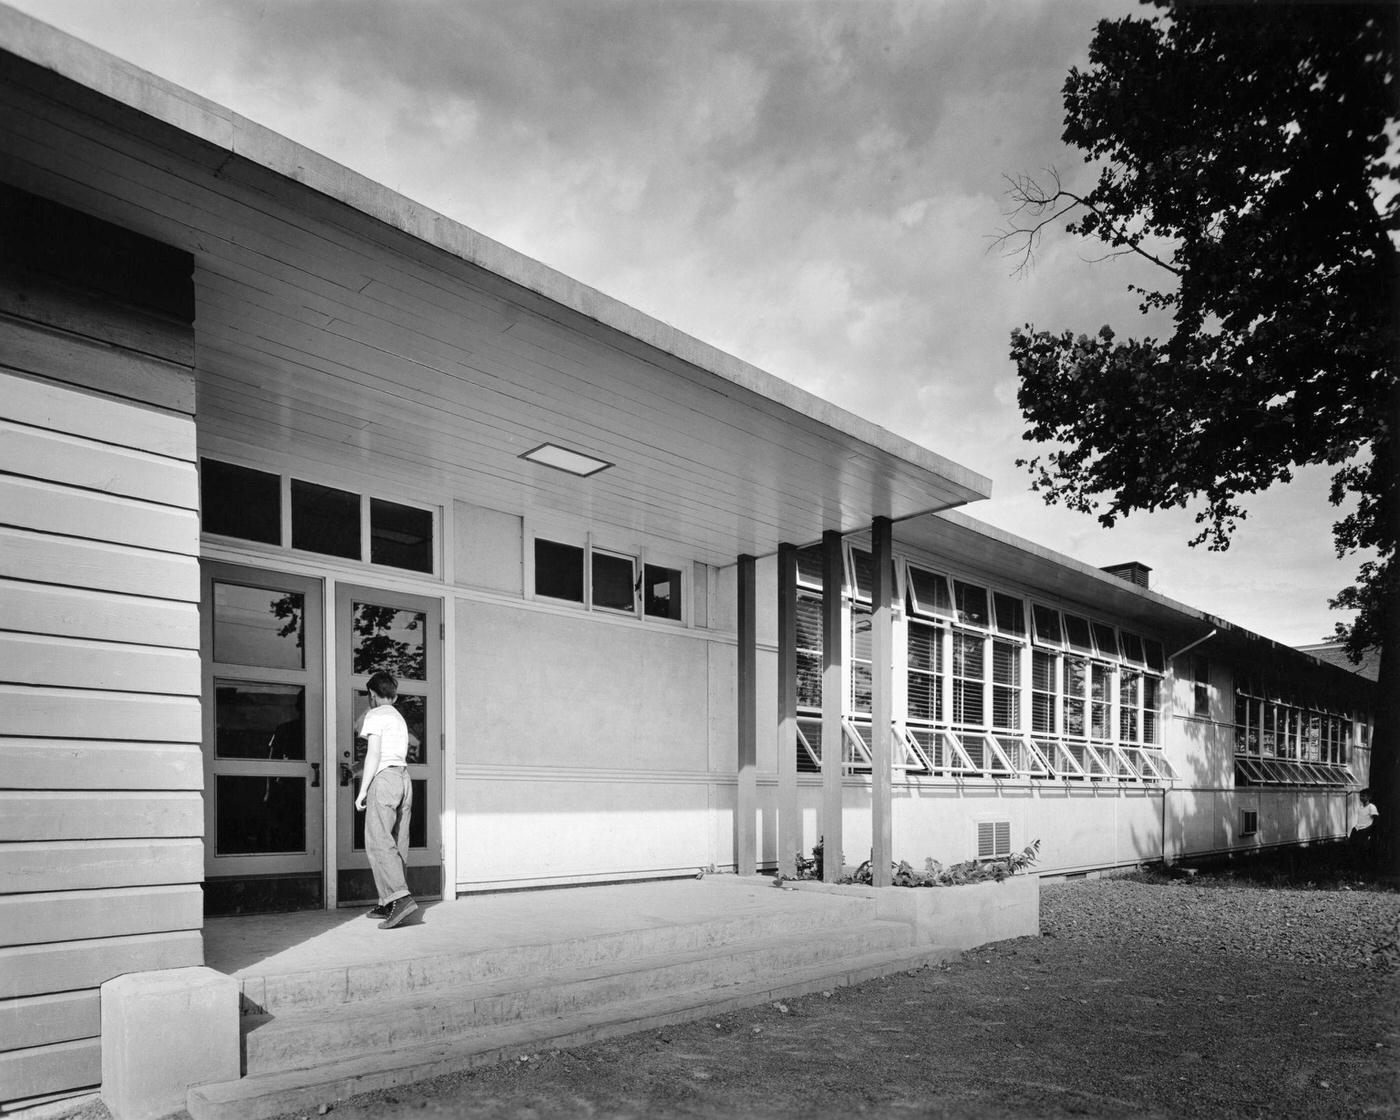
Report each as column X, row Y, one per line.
column 1038, row 206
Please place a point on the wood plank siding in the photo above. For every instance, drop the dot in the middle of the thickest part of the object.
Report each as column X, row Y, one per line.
column 101, row 814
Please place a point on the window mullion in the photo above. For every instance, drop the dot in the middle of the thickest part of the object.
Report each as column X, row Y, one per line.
column 366, row 530
column 847, row 652
column 1115, row 703
column 1057, row 699
column 286, row 488
column 988, row 676
column 945, row 683
column 1024, row 700
column 588, row 571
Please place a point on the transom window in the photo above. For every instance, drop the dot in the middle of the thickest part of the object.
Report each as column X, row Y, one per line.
column 608, row 581
column 240, row 502
column 1078, row 634
column 860, row 573
column 1010, row 615
column 661, row 592
column 971, row 602
column 928, row 594
column 559, row 571
column 247, row 504
column 1047, row 626
column 614, row 582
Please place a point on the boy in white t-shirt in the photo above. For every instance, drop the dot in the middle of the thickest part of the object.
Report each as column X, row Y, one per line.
column 1366, row 814
column 386, row 796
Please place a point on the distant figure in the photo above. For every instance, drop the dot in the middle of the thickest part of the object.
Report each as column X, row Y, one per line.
column 386, row 796
column 1366, row 815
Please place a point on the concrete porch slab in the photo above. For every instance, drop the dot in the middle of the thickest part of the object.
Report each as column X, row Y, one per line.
column 478, row 978
column 280, row 944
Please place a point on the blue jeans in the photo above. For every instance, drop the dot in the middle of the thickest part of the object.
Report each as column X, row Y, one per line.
column 388, row 809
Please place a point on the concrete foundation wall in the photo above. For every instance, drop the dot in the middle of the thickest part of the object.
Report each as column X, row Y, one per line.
column 1201, row 822
column 1078, row 828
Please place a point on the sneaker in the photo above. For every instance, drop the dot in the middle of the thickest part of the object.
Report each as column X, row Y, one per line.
column 399, row 909
column 380, row 911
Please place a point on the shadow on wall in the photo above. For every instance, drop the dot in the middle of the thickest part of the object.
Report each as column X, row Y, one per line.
column 1205, row 813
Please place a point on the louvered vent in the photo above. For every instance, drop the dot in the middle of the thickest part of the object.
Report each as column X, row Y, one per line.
column 993, row 839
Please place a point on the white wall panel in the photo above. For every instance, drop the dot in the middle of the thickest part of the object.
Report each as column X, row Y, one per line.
column 535, row 827
column 540, row 688
column 488, row 545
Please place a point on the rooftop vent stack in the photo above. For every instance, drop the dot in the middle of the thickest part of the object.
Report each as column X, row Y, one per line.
column 1132, row 571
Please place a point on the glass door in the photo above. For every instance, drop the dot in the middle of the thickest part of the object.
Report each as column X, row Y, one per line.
column 399, row 634
column 262, row 672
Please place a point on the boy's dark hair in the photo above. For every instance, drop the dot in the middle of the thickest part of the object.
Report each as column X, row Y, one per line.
column 383, row 685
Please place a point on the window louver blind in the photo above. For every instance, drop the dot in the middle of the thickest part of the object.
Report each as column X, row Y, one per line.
column 1006, row 681
column 925, row 646
column 809, row 653
column 969, row 670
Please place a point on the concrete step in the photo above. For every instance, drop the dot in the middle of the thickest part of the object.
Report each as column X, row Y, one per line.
column 258, row 1096
column 279, row 993
column 318, row 1034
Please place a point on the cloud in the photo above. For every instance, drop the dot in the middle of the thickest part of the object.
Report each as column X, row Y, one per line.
column 808, row 185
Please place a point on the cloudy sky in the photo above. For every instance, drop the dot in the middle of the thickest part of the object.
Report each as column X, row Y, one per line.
column 811, row 186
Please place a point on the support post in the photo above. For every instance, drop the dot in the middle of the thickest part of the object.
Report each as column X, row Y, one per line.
column 882, row 700
column 746, row 798
column 833, row 664
column 789, row 814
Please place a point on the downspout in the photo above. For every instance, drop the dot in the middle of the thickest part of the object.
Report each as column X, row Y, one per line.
column 1194, row 644
column 1164, row 825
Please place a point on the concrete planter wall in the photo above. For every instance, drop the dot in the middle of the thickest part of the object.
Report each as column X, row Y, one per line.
column 958, row 918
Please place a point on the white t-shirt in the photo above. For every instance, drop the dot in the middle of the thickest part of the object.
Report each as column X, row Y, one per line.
column 1366, row 816
column 386, row 722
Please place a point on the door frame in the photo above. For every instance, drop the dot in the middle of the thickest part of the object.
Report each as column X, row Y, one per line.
column 339, row 595
column 255, row 868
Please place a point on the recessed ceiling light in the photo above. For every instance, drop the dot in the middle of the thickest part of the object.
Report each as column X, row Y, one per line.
column 562, row 459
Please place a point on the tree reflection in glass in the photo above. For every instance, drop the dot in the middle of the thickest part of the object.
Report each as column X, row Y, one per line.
column 389, row 639
column 258, row 626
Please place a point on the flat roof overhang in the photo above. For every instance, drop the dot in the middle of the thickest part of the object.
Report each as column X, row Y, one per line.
column 340, row 318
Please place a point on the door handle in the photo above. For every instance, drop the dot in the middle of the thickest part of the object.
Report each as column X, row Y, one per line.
column 315, row 775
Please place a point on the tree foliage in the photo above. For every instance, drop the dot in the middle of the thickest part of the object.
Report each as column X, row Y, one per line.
column 1249, row 152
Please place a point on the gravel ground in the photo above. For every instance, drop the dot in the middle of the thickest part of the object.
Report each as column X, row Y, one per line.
column 1357, row 928
column 1210, row 998
column 1147, row 998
